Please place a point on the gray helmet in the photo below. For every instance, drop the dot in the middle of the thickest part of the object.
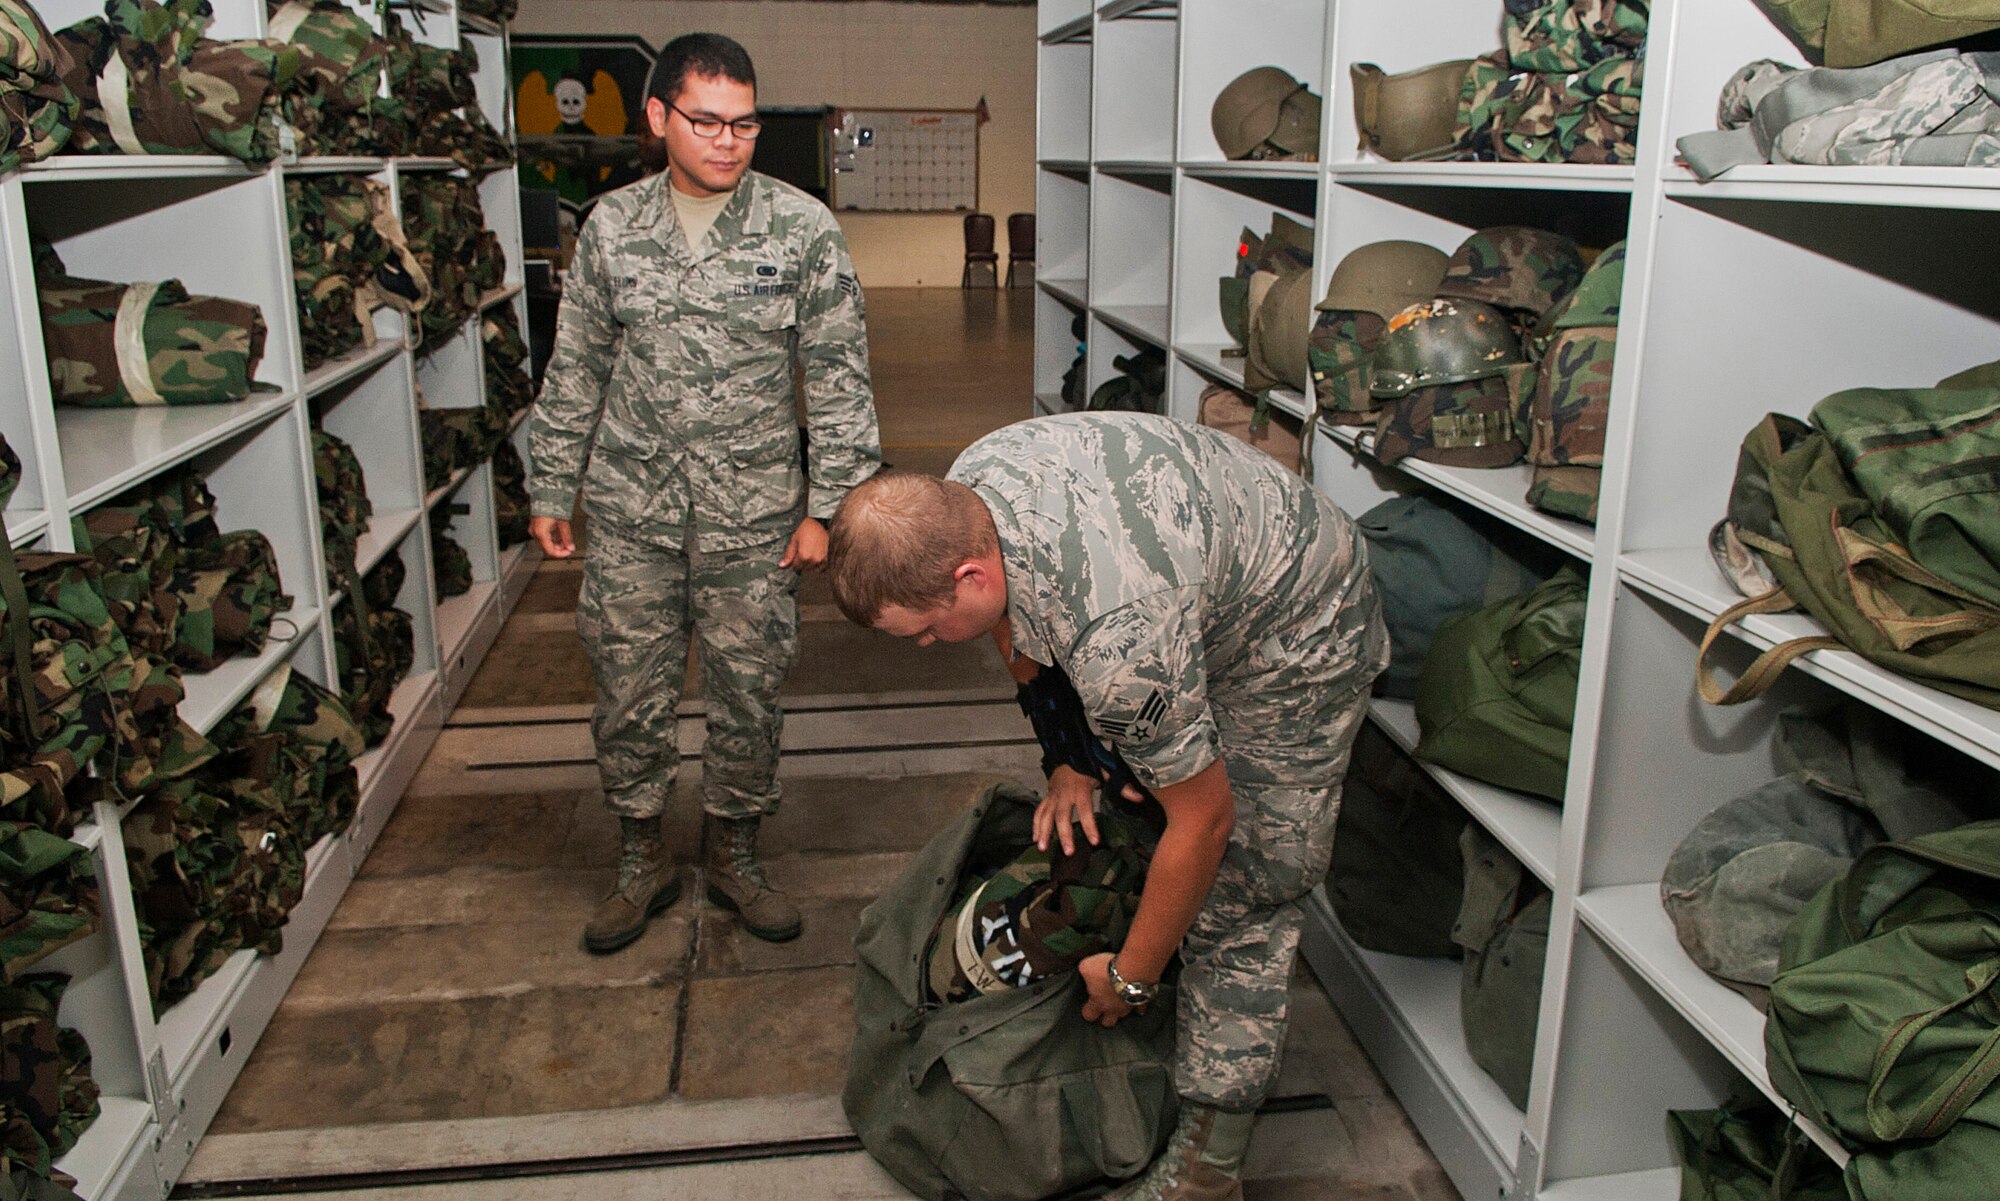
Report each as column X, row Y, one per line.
column 1384, row 278
column 1409, row 116
column 1265, row 113
column 1443, row 341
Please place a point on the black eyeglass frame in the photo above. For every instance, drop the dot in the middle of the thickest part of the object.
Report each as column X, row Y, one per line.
column 736, row 127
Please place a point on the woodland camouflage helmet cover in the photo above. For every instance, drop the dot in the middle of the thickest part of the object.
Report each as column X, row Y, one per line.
column 1443, row 341
column 1514, row 267
column 1266, row 106
column 1384, row 278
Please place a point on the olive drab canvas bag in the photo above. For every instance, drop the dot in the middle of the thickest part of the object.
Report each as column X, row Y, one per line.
column 1397, row 879
column 1898, row 560
column 1855, row 33
column 1008, row 1096
column 1747, row 1149
column 1885, row 1016
column 1503, row 928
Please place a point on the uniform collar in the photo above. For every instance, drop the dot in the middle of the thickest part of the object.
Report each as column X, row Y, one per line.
column 748, row 212
column 1018, row 568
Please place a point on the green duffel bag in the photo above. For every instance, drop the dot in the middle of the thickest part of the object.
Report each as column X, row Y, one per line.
column 1009, row 1096
column 1503, row 928
column 1397, row 877
column 1855, row 33
column 1801, row 534
column 1885, row 1022
column 1747, row 1150
column 1497, row 693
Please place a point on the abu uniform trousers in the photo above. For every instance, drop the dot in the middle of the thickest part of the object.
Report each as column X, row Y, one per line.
column 642, row 601
column 1287, row 726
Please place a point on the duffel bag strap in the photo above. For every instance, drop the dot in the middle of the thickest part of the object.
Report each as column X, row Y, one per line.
column 20, row 628
column 1954, row 1094
column 1763, row 671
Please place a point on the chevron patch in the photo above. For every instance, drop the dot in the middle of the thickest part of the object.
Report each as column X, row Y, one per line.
column 1140, row 726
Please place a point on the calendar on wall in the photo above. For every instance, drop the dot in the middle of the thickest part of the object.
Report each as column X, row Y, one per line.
column 906, row 160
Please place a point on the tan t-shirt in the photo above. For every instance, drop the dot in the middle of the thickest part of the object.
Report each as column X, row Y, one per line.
column 697, row 216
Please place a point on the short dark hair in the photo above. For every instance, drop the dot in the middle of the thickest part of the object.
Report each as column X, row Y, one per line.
column 706, row 54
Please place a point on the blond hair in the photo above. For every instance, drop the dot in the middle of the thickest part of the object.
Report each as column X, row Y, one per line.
column 899, row 538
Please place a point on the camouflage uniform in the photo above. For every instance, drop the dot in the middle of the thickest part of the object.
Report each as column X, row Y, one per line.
column 672, row 374
column 1208, row 604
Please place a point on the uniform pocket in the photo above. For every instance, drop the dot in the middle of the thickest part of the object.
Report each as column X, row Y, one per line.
column 769, row 481
column 627, row 476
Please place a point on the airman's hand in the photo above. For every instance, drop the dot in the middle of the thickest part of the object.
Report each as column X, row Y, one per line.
column 555, row 536
column 1072, row 798
column 807, row 549
column 1103, row 1005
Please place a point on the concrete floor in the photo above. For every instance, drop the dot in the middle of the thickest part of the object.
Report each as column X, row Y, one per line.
column 448, row 1020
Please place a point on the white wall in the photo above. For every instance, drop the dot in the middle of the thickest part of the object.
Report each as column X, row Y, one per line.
column 867, row 55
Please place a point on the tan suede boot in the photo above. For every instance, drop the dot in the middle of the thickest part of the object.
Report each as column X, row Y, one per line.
column 736, row 880
column 1203, row 1160
column 647, row 883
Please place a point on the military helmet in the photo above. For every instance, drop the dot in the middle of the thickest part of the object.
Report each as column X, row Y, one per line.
column 1265, row 105
column 1384, row 278
column 1443, row 341
column 1595, row 301
column 1409, row 116
column 1514, row 267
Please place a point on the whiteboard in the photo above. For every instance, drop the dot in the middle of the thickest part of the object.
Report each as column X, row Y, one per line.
column 906, row 160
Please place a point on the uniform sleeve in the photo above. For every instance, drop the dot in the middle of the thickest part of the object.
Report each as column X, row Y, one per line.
column 1140, row 672
column 572, row 393
column 846, row 447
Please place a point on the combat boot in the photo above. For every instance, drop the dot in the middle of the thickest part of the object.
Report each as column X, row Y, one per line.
column 1203, row 1160
column 736, row 880
column 647, row 883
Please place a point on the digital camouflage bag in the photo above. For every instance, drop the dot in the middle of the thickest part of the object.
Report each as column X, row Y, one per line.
column 1855, row 33
column 36, row 106
column 1434, row 561
column 1503, row 931
column 1901, row 569
column 1397, row 876
column 1747, row 1149
column 1935, row 109
column 50, row 1097
column 1883, row 1027
column 48, row 896
column 510, row 496
column 1571, row 405
column 150, row 83
column 113, row 345
column 1008, row 1096
column 1497, row 693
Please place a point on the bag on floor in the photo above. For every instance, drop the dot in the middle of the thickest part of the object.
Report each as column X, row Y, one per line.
column 1497, row 693
column 1397, row 877
column 1503, row 928
column 1883, row 1025
column 1008, row 1096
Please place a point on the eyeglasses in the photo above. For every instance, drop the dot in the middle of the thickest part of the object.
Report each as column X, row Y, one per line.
column 746, row 128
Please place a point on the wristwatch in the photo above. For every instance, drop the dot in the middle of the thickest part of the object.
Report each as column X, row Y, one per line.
column 1138, row 996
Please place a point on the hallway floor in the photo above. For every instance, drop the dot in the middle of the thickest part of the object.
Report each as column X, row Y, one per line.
column 449, row 1039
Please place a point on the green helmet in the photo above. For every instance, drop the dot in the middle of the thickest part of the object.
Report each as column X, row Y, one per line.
column 1265, row 113
column 1384, row 278
column 1514, row 267
column 1595, row 301
column 1443, row 341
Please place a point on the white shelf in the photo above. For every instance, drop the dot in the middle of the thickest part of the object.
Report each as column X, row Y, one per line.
column 458, row 616
column 1919, row 187
column 1250, row 169
column 1074, row 166
column 482, row 25
column 1112, row 10
column 1206, row 357
column 1500, row 491
column 1135, row 166
column 499, row 295
column 1528, row 826
column 120, row 1129
column 1048, row 405
column 211, row 695
column 1653, row 1184
column 105, row 451
column 444, row 490
column 385, row 532
column 328, row 164
column 1630, row 918
column 1077, row 30
column 409, row 694
column 127, row 167
column 1567, row 177
column 518, row 564
column 360, row 361
column 1069, row 291
column 1146, row 322
column 1686, row 578
column 426, row 162
column 24, row 527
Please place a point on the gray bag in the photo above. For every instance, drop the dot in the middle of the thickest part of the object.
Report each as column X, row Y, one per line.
column 1503, row 927
column 1433, row 562
column 1852, row 776
column 1939, row 108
